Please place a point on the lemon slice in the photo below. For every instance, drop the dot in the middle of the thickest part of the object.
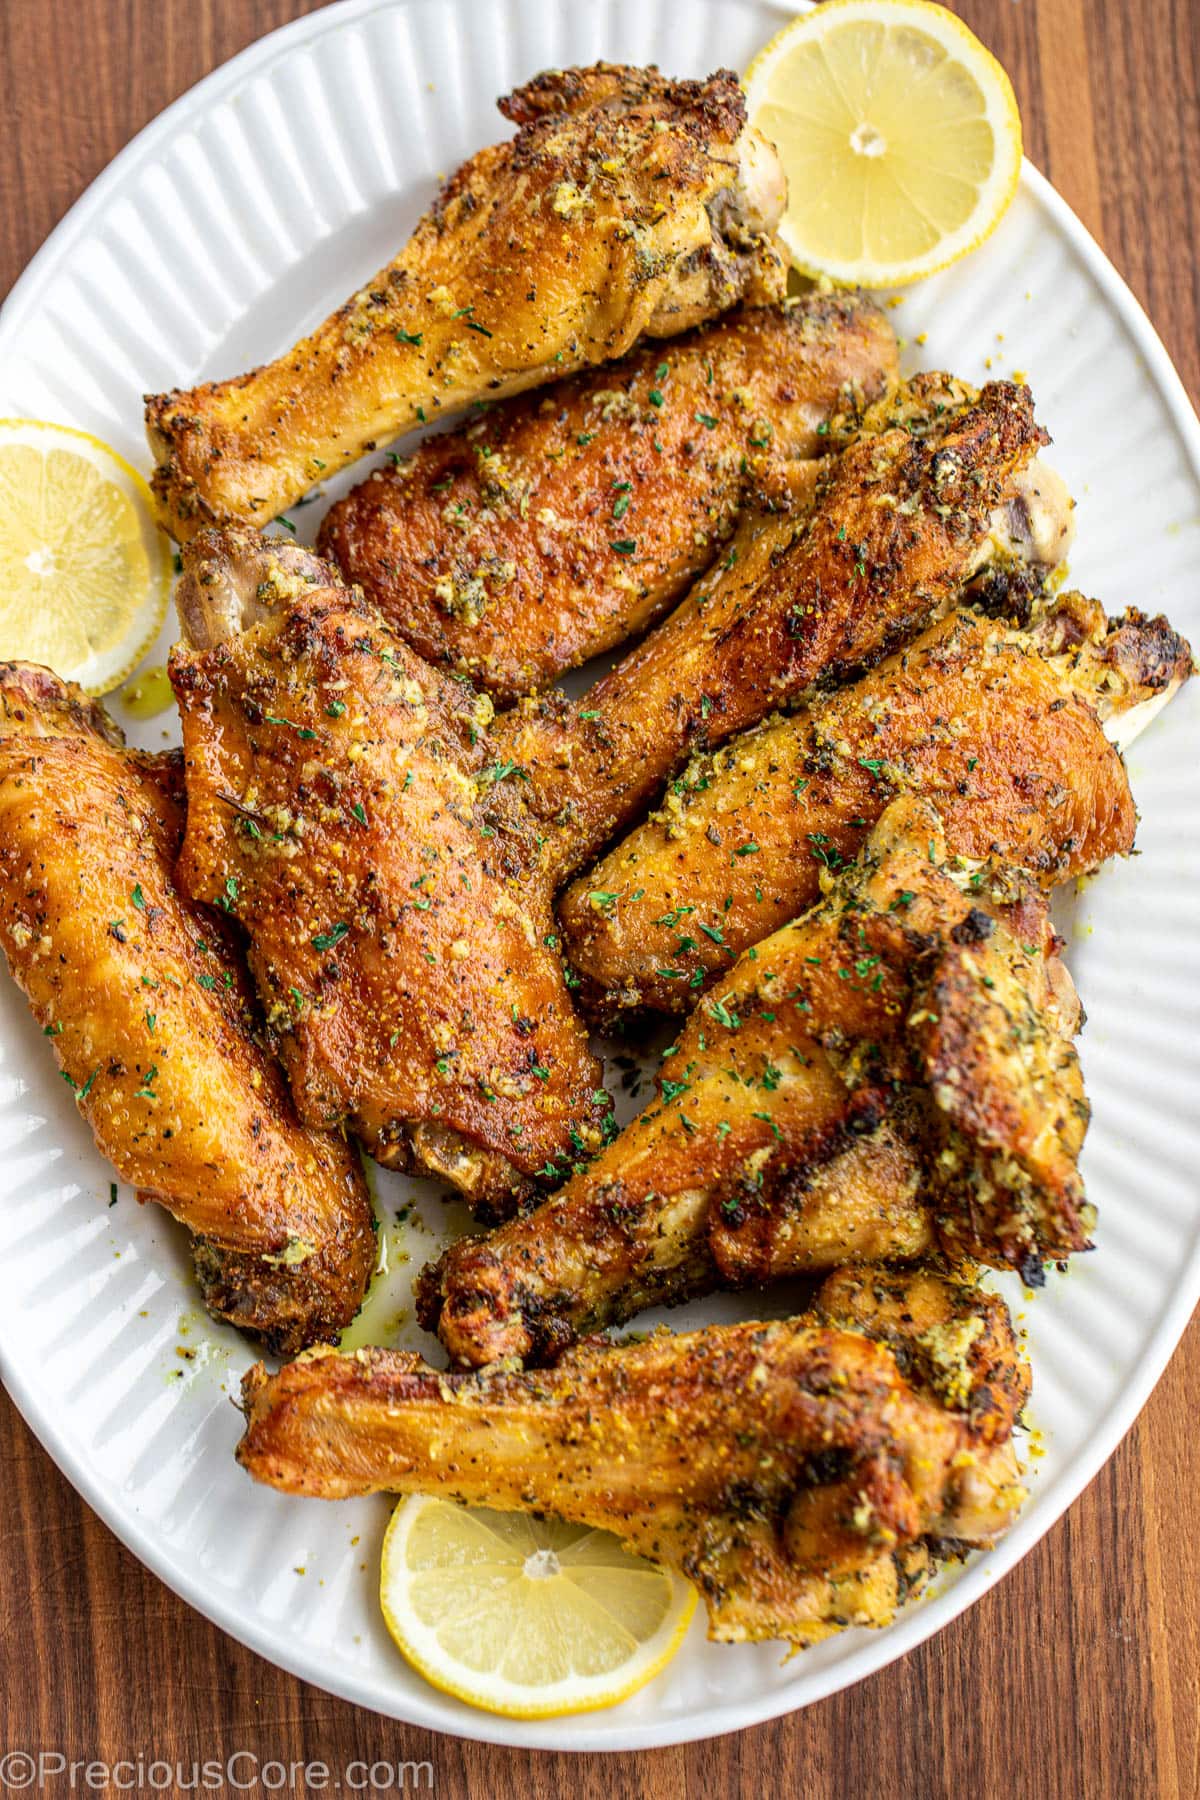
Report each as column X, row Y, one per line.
column 84, row 570
column 526, row 1617
column 899, row 133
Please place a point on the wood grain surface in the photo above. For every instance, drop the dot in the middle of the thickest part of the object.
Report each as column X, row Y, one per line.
column 1077, row 1676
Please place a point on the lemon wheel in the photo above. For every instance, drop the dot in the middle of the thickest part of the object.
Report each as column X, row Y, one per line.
column 899, row 133
column 526, row 1617
column 85, row 572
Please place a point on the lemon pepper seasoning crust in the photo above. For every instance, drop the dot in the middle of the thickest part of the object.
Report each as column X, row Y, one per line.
column 506, row 549
column 143, row 996
column 803, row 1473
column 1001, row 728
column 810, row 1114
column 345, row 805
column 626, row 204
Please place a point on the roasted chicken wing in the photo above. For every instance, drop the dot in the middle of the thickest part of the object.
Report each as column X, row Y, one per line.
column 806, row 1474
column 895, row 1067
column 394, row 856
column 338, row 794
column 1002, row 729
column 625, row 205
column 502, row 549
column 144, row 999
column 903, row 519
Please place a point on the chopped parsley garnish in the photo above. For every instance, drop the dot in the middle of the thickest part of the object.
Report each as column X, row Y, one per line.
column 623, row 546
column 824, row 851
column 705, row 419
column 301, row 731
column 409, row 337
column 326, row 940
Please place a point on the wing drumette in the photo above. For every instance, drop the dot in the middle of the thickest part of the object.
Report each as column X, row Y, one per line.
column 500, row 549
column 1002, row 729
column 790, row 1469
column 626, row 204
column 145, row 1001
column 893, row 1068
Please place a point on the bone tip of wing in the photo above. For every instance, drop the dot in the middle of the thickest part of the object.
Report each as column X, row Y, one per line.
column 35, row 702
column 234, row 577
column 1122, row 729
column 761, row 182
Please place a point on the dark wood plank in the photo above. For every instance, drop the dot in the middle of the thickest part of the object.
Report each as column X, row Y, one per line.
column 1079, row 1675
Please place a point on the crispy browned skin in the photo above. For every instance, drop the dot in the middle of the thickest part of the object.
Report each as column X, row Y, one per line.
column 337, row 806
column 626, row 204
column 789, row 1469
column 1003, row 730
column 145, row 1001
column 895, row 1064
column 443, row 1030
column 902, row 520
column 499, row 549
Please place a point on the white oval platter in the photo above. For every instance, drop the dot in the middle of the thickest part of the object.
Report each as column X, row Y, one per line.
column 236, row 220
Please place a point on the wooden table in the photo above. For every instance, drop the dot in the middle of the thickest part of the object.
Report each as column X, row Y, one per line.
column 1078, row 1675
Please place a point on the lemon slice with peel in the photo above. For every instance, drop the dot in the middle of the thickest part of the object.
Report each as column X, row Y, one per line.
column 85, row 572
column 899, row 133
column 526, row 1617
